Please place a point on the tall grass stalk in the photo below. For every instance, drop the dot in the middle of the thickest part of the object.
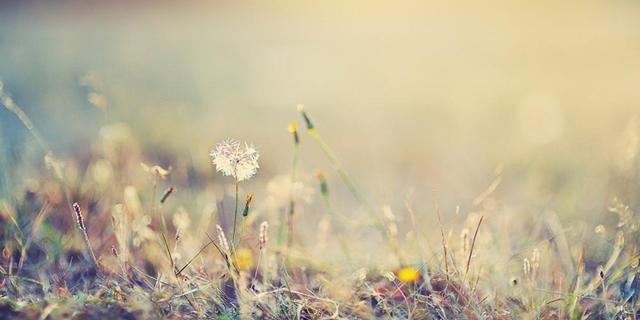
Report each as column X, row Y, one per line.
column 115, row 253
column 443, row 238
column 294, row 164
column 10, row 105
column 346, row 178
column 473, row 244
column 39, row 219
column 83, row 229
column 50, row 159
column 324, row 191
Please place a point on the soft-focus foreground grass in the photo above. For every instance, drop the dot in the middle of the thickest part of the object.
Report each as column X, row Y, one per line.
column 135, row 246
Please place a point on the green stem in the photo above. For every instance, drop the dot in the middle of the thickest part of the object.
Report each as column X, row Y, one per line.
column 235, row 217
column 292, row 203
column 344, row 246
column 348, row 181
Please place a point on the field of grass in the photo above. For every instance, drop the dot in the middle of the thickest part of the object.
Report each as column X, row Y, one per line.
column 105, row 234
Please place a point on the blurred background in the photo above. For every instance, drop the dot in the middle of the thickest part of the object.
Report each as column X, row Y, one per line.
column 420, row 100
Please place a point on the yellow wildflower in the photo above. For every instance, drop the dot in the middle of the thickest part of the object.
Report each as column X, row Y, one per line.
column 408, row 274
column 244, row 259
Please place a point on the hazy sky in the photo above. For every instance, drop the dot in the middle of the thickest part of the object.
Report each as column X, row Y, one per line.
column 429, row 94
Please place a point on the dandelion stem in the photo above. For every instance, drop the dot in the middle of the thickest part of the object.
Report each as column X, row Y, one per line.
column 235, row 217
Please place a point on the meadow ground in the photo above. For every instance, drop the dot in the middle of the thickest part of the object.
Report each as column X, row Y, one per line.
column 105, row 234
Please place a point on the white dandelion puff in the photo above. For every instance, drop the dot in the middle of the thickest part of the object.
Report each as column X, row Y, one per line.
column 232, row 160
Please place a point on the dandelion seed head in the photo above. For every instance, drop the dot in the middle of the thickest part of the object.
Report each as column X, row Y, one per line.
column 232, row 160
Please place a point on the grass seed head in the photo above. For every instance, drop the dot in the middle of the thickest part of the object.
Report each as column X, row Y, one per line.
column 167, row 193
column 79, row 217
column 307, row 119
column 264, row 236
column 222, row 239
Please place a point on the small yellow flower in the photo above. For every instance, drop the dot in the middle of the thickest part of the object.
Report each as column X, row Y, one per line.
column 408, row 274
column 244, row 259
column 293, row 127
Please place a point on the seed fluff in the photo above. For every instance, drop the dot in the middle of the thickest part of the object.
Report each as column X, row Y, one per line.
column 231, row 159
